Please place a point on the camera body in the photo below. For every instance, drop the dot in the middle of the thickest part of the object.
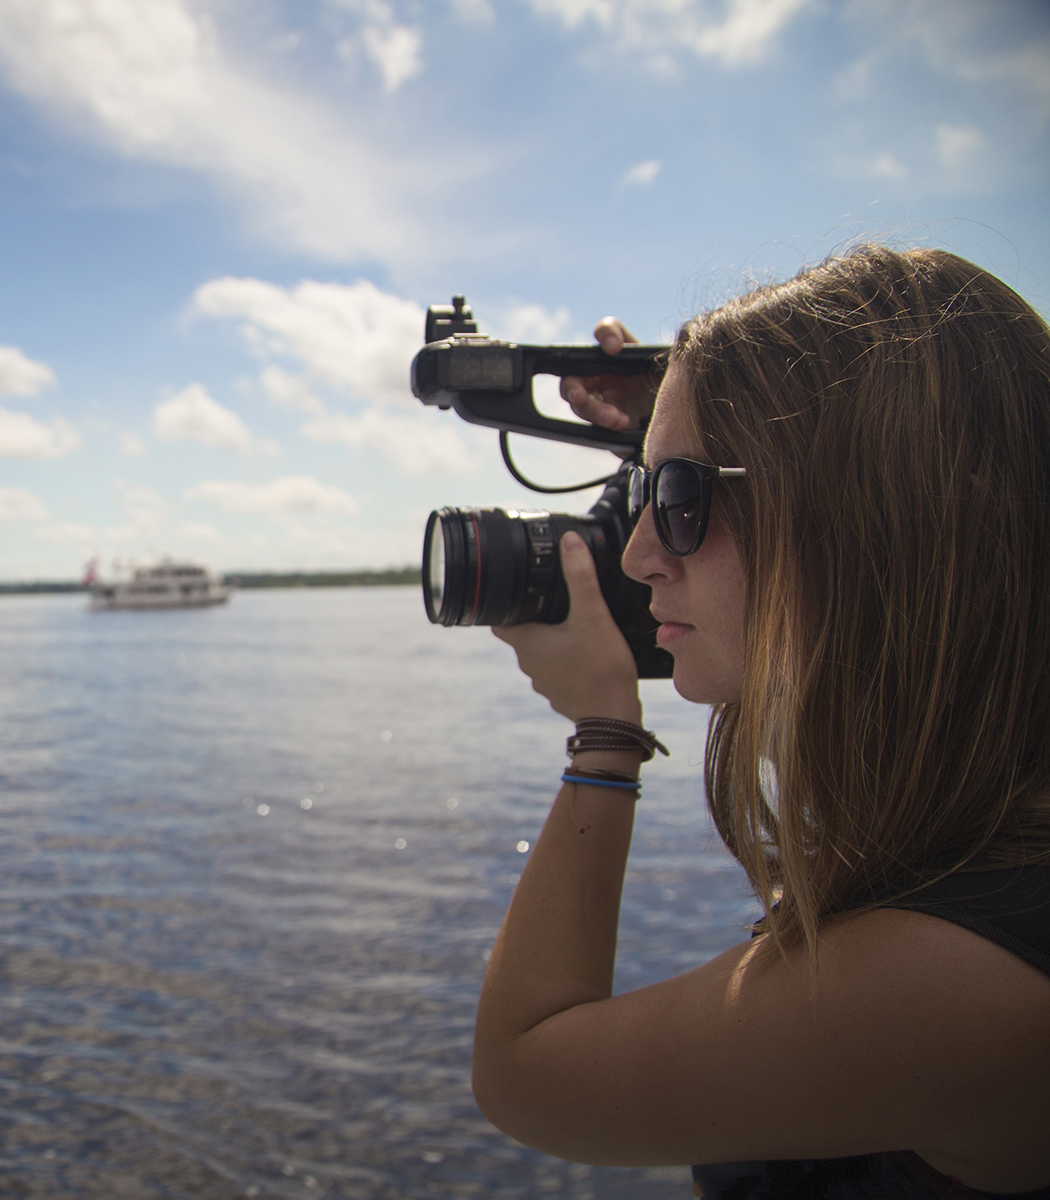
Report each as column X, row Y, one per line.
column 501, row 566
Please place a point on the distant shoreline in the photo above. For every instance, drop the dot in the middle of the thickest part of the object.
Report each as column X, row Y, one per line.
column 392, row 577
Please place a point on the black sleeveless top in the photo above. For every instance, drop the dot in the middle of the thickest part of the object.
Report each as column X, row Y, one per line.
column 1010, row 907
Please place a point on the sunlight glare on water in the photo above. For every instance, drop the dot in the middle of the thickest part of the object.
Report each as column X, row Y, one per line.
column 255, row 858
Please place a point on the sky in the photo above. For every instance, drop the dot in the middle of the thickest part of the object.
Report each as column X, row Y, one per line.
column 223, row 220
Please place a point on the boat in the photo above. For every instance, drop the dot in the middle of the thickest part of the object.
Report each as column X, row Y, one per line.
column 167, row 584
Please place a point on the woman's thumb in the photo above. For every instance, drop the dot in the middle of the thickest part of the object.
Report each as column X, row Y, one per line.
column 581, row 575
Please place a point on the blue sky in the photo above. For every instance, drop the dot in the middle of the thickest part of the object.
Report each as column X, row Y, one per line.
column 223, row 221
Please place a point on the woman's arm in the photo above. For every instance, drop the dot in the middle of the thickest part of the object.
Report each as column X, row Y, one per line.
column 557, row 947
column 918, row 1034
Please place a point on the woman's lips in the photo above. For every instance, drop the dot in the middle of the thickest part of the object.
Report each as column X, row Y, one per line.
column 671, row 631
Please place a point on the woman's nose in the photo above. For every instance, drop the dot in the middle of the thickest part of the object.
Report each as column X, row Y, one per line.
column 644, row 557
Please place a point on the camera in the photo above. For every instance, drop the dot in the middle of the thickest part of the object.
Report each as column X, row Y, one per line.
column 493, row 566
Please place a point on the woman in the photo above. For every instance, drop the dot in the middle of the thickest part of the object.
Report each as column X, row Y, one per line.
column 867, row 610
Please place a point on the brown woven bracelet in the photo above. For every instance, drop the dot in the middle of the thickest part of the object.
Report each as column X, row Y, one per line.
column 607, row 733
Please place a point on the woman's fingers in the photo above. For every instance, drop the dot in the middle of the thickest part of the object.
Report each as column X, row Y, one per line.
column 610, row 401
column 604, row 674
column 588, row 400
column 612, row 335
column 583, row 666
column 586, row 602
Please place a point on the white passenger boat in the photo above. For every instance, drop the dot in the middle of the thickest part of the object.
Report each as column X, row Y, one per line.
column 167, row 584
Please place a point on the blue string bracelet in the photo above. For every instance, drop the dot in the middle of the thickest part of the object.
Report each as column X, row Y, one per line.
column 633, row 785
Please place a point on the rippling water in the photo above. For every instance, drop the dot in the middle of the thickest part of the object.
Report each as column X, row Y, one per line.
column 254, row 858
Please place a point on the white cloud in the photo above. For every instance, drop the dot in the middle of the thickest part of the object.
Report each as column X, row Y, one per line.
column 854, row 82
column 658, row 30
column 151, row 81
column 642, row 173
column 473, row 10
column 199, row 531
column 290, row 391
column 19, row 504
column 958, row 145
column 747, row 33
column 289, row 494
column 132, row 445
column 22, row 376
column 351, row 336
column 66, row 533
column 376, row 11
column 286, row 43
column 192, row 415
column 977, row 56
column 573, row 13
column 139, row 498
column 397, row 52
column 959, row 38
column 417, row 444
column 359, row 342
column 880, row 165
column 22, row 436
column 532, row 323
column 348, row 50
column 885, row 166
column 146, row 514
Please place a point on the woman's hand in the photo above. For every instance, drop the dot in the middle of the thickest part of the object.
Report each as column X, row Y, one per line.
column 583, row 666
column 611, row 401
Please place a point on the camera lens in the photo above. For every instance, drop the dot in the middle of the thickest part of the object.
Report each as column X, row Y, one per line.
column 434, row 567
column 494, row 566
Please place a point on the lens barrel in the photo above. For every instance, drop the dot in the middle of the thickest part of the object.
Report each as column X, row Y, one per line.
column 494, row 566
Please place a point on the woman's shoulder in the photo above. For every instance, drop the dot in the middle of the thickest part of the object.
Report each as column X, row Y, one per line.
column 914, row 1034
column 1006, row 905
column 938, row 967
column 968, row 1015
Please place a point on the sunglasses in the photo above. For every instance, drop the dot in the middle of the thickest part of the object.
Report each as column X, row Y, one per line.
column 680, row 492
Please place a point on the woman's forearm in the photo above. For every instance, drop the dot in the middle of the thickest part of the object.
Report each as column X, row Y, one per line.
column 557, row 946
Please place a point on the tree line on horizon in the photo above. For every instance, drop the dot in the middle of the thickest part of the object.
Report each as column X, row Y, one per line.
column 388, row 577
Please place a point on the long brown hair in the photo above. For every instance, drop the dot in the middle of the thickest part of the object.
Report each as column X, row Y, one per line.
column 893, row 412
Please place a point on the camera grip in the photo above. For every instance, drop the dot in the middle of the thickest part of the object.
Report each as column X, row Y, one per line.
column 490, row 383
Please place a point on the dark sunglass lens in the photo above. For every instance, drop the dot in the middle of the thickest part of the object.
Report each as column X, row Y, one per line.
column 635, row 494
column 680, row 502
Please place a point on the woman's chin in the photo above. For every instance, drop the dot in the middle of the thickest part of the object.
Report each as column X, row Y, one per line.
column 688, row 690
column 703, row 691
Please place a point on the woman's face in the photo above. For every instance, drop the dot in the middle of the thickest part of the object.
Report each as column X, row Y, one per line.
column 698, row 600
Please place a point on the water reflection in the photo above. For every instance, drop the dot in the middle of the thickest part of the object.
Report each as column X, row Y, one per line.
column 199, row 1002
